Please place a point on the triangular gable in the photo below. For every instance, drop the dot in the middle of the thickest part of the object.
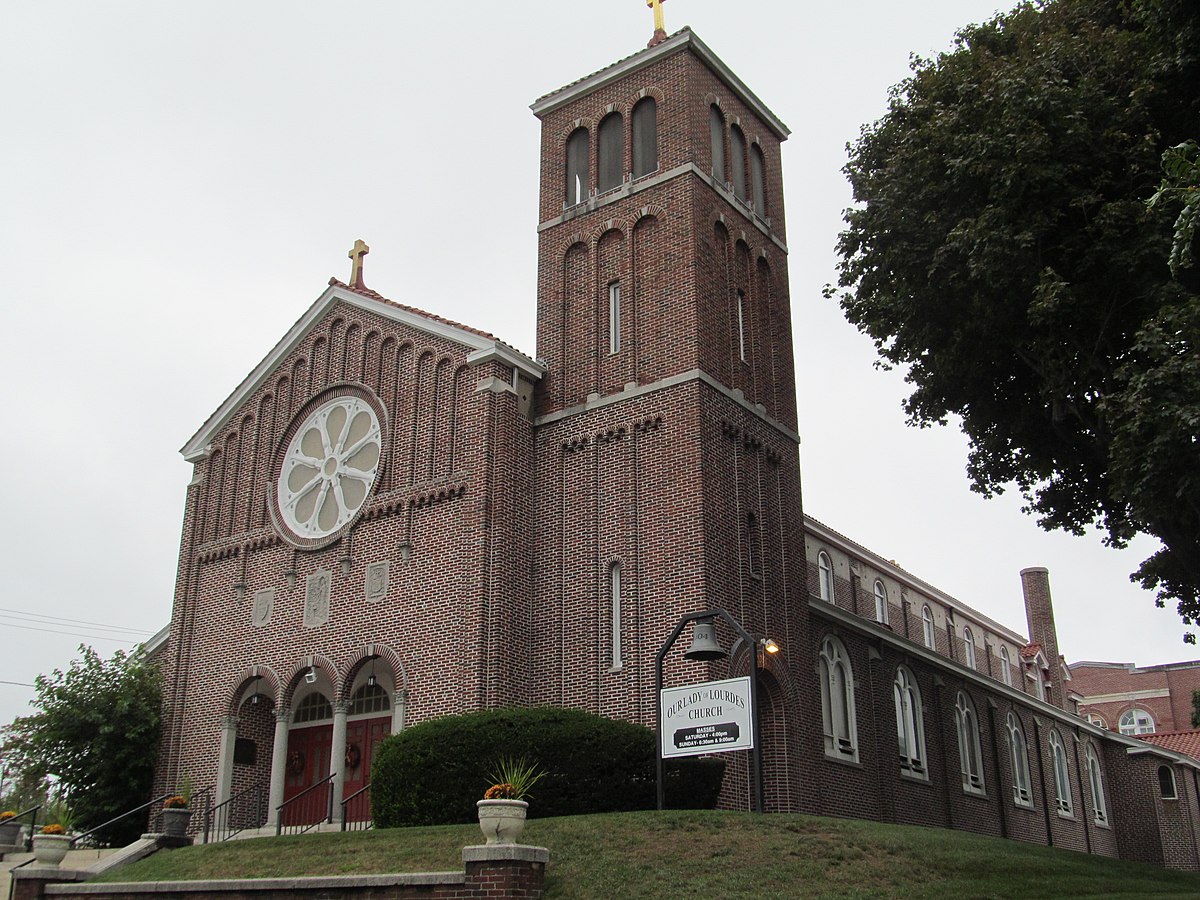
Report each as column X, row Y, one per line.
column 484, row 347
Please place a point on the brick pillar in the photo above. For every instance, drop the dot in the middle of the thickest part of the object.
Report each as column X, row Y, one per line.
column 506, row 870
column 1039, row 613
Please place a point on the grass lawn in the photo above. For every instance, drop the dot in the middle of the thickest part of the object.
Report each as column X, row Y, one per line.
column 709, row 854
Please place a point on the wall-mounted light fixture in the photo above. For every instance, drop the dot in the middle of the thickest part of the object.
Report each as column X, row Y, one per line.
column 311, row 675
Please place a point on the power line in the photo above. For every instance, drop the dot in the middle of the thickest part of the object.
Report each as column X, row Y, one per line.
column 17, row 683
column 38, row 616
column 94, row 637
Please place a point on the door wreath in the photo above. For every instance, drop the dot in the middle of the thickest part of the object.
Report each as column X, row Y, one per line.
column 353, row 756
column 295, row 762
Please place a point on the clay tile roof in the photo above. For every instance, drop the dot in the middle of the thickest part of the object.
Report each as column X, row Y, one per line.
column 1180, row 741
column 1029, row 651
column 375, row 295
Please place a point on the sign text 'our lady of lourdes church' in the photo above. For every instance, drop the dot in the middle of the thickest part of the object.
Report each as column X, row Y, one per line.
column 713, row 717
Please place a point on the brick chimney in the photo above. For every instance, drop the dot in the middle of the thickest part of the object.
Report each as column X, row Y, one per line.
column 1039, row 613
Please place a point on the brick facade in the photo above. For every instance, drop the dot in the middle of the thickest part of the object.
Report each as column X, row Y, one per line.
column 545, row 523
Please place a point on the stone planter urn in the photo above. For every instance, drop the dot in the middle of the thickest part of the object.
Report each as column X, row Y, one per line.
column 176, row 820
column 501, row 821
column 50, row 849
column 10, row 832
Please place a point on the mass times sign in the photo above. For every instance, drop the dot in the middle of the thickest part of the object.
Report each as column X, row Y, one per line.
column 713, row 717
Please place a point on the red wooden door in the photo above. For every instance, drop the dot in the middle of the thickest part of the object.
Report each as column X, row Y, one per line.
column 362, row 737
column 307, row 763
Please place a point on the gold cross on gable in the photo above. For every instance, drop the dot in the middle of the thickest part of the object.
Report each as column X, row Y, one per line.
column 356, row 254
column 660, row 29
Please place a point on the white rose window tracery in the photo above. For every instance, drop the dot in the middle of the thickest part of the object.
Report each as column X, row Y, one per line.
column 329, row 468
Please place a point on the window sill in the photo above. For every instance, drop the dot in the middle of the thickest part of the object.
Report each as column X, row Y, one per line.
column 914, row 777
column 1105, row 824
column 1070, row 816
column 1023, row 804
column 613, row 670
column 975, row 792
column 843, row 760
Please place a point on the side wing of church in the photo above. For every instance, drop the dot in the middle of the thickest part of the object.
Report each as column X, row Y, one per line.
column 396, row 517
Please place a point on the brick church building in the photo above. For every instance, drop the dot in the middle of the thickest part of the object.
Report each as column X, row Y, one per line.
column 396, row 517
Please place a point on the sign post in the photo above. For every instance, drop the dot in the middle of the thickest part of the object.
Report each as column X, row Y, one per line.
column 716, row 728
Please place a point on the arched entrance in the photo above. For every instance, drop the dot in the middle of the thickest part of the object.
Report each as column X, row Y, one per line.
column 306, row 787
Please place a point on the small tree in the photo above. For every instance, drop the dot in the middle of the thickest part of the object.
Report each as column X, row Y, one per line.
column 96, row 733
column 1196, row 709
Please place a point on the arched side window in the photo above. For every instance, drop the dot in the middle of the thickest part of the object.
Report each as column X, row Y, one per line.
column 1005, row 666
column 645, row 137
column 610, row 152
column 716, row 134
column 1018, row 754
column 578, row 153
column 758, row 180
column 737, row 162
column 1166, row 783
column 370, row 698
column 837, row 701
column 881, row 610
column 969, row 646
column 614, row 597
column 927, row 627
column 910, row 724
column 1096, row 779
column 1062, row 774
column 970, row 756
column 313, row 708
column 1097, row 719
column 1136, row 721
column 825, row 576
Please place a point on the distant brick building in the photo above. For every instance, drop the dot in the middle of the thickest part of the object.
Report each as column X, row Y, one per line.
column 396, row 517
column 1136, row 700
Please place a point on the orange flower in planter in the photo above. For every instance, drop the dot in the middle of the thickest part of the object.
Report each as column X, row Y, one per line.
column 53, row 828
column 176, row 802
column 7, row 814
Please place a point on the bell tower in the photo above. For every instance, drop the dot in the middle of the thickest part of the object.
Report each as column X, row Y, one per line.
column 667, row 456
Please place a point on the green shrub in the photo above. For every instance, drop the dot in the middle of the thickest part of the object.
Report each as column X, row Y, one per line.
column 433, row 773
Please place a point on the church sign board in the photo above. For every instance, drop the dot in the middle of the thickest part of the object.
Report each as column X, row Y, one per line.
column 712, row 717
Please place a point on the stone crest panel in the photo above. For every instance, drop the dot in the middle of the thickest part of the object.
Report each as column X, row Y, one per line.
column 377, row 581
column 264, row 605
column 316, row 599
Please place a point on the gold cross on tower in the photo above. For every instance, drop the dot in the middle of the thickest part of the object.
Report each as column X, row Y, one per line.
column 660, row 29
column 356, row 254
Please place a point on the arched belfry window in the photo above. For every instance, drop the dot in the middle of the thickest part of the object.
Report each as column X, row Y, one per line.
column 716, row 133
column 577, row 166
column 737, row 162
column 645, row 137
column 758, row 179
column 610, row 152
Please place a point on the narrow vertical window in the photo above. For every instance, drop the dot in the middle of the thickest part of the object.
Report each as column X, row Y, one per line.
column 741, row 323
column 716, row 133
column 1062, row 774
column 614, row 589
column 927, row 627
column 910, row 723
column 825, row 576
column 970, row 756
column 577, row 166
column 1096, row 779
column 881, row 614
column 645, row 137
column 1005, row 666
column 752, row 555
column 758, row 180
column 1019, row 759
column 737, row 162
column 614, row 317
column 969, row 645
column 610, row 163
column 837, row 701
column 1166, row 783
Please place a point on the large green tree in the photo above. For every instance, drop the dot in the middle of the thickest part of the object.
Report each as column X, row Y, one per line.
column 1001, row 251
column 96, row 734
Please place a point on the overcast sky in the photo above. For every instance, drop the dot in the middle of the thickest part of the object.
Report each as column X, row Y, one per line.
column 178, row 182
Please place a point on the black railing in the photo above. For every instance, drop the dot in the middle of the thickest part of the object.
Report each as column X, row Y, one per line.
column 308, row 809
column 356, row 810
column 96, row 837
column 24, row 835
column 245, row 809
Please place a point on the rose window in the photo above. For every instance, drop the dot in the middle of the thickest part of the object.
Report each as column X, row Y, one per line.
column 329, row 468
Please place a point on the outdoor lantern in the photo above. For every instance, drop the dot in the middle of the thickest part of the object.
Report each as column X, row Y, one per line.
column 769, row 645
column 311, row 676
column 704, row 642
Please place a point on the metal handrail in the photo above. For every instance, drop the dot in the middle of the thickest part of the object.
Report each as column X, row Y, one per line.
column 214, row 816
column 136, row 809
column 326, row 782
column 346, row 802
